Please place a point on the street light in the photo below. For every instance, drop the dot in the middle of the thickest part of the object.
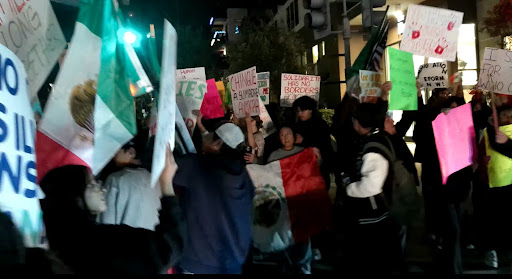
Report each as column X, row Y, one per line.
column 129, row 37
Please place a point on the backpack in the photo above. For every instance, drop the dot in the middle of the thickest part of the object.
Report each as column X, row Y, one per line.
column 402, row 199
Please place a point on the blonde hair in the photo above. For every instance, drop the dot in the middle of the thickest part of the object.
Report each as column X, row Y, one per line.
column 81, row 104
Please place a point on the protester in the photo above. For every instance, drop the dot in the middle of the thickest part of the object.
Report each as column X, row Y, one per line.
column 373, row 237
column 130, row 198
column 73, row 199
column 216, row 194
column 251, row 127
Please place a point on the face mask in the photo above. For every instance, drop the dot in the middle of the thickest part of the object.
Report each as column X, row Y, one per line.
column 95, row 198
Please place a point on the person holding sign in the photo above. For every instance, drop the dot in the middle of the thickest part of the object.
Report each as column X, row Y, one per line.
column 73, row 199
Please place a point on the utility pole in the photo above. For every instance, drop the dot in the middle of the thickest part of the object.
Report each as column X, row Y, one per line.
column 346, row 38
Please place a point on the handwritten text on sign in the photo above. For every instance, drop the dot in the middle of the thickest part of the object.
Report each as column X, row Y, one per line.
column 431, row 32
column 19, row 192
column 30, row 29
column 263, row 87
column 400, row 67
column 433, row 75
column 189, row 97
column 496, row 71
column 370, row 83
column 244, row 92
column 295, row 86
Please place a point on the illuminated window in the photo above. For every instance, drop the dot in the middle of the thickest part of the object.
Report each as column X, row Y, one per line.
column 466, row 54
column 507, row 42
column 315, row 54
column 323, row 48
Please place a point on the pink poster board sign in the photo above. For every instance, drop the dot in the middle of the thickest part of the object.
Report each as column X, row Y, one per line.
column 455, row 140
column 212, row 104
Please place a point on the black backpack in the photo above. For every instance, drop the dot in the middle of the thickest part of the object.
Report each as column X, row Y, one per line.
column 403, row 199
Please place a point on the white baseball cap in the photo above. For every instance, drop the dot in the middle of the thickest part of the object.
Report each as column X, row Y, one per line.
column 230, row 134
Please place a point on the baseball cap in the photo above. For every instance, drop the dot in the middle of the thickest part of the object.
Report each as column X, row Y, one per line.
column 230, row 134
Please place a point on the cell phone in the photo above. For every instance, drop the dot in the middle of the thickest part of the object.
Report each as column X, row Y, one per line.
column 248, row 149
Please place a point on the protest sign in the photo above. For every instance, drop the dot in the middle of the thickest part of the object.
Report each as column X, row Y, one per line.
column 370, row 83
column 500, row 166
column 431, row 32
column 455, row 140
column 268, row 126
column 19, row 193
column 496, row 71
column 244, row 93
column 400, row 69
column 30, row 29
column 264, row 87
column 212, row 104
column 166, row 123
column 222, row 91
column 189, row 97
column 433, row 75
column 295, row 86
column 191, row 74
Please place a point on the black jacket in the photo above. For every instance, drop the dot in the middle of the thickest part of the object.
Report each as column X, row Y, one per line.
column 91, row 248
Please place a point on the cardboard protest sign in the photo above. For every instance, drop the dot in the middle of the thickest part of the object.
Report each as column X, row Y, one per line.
column 433, row 75
column 222, row 91
column 189, row 97
column 431, row 32
column 500, row 166
column 19, row 192
column 30, row 29
column 295, row 86
column 264, row 87
column 496, row 71
column 268, row 126
column 370, row 83
column 191, row 74
column 455, row 140
column 166, row 123
column 244, row 93
column 400, row 67
column 212, row 104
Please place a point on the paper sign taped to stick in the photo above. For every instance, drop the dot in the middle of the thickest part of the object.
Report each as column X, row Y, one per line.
column 370, row 83
column 500, row 166
column 295, row 86
column 431, row 32
column 264, row 87
column 30, row 29
column 433, row 75
column 403, row 95
column 19, row 192
column 191, row 74
column 189, row 97
column 455, row 140
column 244, row 92
column 212, row 104
column 166, row 123
column 496, row 71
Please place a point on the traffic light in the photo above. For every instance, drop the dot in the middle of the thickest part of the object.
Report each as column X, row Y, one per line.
column 371, row 17
column 319, row 18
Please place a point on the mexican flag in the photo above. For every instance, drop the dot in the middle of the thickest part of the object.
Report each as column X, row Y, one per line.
column 91, row 112
column 291, row 202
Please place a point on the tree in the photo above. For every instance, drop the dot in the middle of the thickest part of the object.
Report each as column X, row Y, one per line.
column 269, row 48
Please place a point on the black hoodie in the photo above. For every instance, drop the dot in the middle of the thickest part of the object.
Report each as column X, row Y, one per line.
column 91, row 248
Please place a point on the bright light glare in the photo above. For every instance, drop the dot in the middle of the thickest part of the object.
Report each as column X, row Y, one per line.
column 213, row 42
column 211, row 20
column 129, row 37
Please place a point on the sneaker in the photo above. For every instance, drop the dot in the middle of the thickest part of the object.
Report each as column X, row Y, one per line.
column 491, row 259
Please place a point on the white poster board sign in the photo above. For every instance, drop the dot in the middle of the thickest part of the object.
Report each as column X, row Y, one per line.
column 433, row 75
column 431, row 32
column 264, row 87
column 244, row 93
column 294, row 86
column 30, row 29
column 19, row 193
column 370, row 83
column 166, row 122
column 496, row 71
column 191, row 74
column 268, row 126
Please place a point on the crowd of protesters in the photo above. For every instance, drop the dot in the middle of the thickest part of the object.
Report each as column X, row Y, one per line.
column 203, row 216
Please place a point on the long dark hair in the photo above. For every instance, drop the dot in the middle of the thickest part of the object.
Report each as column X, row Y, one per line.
column 306, row 103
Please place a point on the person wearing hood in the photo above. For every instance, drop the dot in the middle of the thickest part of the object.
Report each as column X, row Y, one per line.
column 216, row 194
column 73, row 199
column 130, row 198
